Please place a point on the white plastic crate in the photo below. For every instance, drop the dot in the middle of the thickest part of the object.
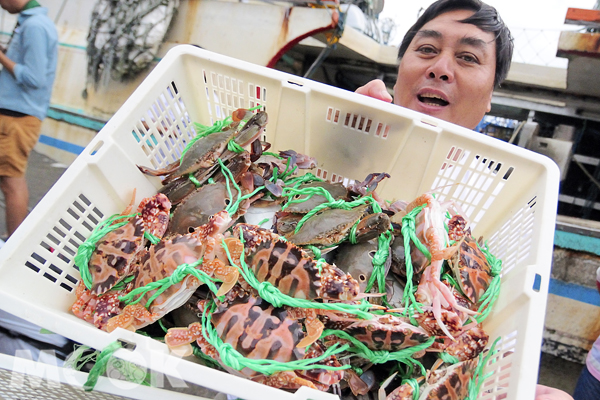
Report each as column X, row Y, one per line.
column 510, row 195
column 24, row 379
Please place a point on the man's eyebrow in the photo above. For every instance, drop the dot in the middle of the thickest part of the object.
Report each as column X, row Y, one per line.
column 475, row 42
column 429, row 33
column 467, row 40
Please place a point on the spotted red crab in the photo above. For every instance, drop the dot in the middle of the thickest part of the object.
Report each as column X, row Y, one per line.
column 257, row 330
column 289, row 268
column 98, row 309
column 387, row 332
column 161, row 260
column 450, row 383
column 472, row 269
column 116, row 252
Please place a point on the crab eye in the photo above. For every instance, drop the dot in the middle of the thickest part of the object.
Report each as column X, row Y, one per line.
column 191, row 229
column 227, row 202
column 372, row 253
column 362, row 278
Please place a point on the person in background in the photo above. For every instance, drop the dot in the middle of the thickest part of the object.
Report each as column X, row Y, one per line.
column 588, row 384
column 451, row 60
column 26, row 80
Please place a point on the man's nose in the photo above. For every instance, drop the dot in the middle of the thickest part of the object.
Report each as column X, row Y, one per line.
column 442, row 68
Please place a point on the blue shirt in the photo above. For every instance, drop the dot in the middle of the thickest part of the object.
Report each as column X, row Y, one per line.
column 34, row 49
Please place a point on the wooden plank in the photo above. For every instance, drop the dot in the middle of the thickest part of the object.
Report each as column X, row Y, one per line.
column 581, row 16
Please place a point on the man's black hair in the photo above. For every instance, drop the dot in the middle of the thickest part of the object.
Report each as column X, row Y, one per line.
column 485, row 18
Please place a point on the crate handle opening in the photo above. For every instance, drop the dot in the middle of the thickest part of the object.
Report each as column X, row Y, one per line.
column 96, row 148
column 431, row 123
column 295, row 83
column 126, row 344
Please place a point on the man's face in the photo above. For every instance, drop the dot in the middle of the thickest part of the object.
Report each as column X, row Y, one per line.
column 448, row 70
column 12, row 6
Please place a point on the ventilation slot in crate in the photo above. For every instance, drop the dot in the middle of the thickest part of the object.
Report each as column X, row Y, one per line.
column 53, row 256
column 165, row 129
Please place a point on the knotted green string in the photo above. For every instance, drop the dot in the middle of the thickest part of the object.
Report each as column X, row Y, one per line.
column 85, row 250
column 272, row 295
column 330, row 203
column 100, row 367
column 477, row 380
column 448, row 359
column 232, row 358
column 379, row 259
column 205, row 130
column 493, row 291
column 268, row 153
column 234, row 205
column 234, row 147
column 160, row 286
column 299, row 180
column 414, row 385
column 151, row 238
column 195, row 181
column 409, row 233
column 121, row 284
column 381, row 356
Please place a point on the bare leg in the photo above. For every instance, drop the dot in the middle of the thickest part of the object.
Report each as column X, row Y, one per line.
column 16, row 196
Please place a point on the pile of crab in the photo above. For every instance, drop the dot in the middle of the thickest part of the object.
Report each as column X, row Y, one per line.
column 337, row 289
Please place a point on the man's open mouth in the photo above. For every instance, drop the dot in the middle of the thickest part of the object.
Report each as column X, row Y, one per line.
column 432, row 100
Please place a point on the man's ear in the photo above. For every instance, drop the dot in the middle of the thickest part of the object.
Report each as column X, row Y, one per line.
column 489, row 106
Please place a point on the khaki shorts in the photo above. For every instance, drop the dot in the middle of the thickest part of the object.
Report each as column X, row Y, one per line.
column 18, row 135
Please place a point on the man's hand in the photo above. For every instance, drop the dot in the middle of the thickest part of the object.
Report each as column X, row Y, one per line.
column 7, row 63
column 547, row 393
column 376, row 89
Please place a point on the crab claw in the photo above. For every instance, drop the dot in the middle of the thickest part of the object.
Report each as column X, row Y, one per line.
column 314, row 329
column 183, row 350
column 229, row 275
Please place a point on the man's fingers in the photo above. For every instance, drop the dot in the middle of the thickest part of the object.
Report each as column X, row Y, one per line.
column 547, row 393
column 375, row 89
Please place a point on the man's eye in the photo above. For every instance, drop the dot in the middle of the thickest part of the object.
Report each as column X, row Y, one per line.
column 426, row 50
column 469, row 58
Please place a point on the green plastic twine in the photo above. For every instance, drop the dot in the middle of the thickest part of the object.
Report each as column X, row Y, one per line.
column 272, row 295
column 211, row 363
column 121, row 284
column 100, row 367
column 151, row 238
column 204, row 130
column 330, row 203
column 264, row 221
column 379, row 259
column 448, row 359
column 477, row 380
column 232, row 358
column 160, row 286
column 409, row 233
column 268, row 153
column 381, row 356
column 493, row 291
column 85, row 250
column 78, row 359
column 234, row 205
column 415, row 387
column 195, row 181
column 234, row 147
